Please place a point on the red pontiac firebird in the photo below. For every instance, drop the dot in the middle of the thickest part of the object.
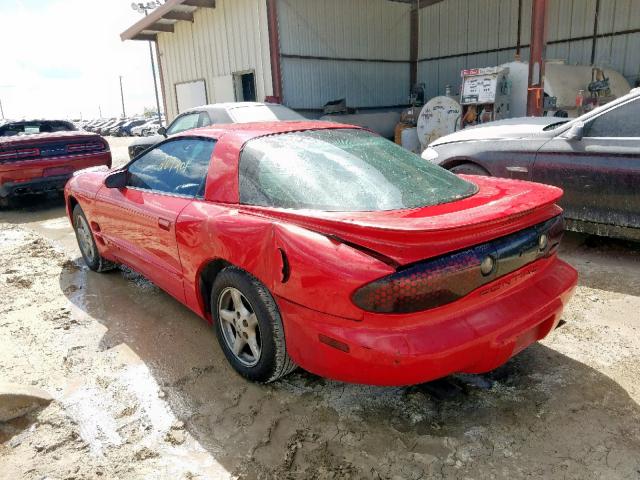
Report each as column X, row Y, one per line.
column 328, row 247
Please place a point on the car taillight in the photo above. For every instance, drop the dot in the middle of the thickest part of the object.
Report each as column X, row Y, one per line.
column 442, row 280
column 19, row 154
column 85, row 147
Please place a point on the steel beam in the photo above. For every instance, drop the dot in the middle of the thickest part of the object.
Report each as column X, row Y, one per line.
column 200, row 3
column 161, row 27
column 414, row 39
column 176, row 15
column 274, row 48
column 535, row 87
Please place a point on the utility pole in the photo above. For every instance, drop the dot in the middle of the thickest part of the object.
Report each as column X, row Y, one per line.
column 122, row 98
column 100, row 110
column 1, row 110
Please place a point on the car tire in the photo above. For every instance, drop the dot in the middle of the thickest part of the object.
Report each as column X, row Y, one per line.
column 470, row 169
column 249, row 327
column 87, row 243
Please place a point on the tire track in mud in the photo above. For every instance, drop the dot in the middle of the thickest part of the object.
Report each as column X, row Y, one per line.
column 142, row 391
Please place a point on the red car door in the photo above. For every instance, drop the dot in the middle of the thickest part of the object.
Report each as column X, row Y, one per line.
column 138, row 221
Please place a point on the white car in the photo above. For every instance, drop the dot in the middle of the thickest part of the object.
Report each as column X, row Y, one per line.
column 217, row 113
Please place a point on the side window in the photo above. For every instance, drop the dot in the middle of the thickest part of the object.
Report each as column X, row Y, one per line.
column 623, row 121
column 184, row 122
column 178, row 167
column 204, row 119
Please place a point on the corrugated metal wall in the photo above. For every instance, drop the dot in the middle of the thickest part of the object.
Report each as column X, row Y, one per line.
column 359, row 49
column 453, row 29
column 353, row 49
column 230, row 38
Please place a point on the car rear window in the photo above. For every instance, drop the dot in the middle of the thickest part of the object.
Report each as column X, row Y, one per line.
column 263, row 113
column 31, row 128
column 342, row 170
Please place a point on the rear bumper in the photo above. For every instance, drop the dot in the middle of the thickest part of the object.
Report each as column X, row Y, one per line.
column 475, row 334
column 36, row 185
column 30, row 176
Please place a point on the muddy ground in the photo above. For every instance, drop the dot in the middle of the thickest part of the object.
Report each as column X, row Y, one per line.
column 142, row 391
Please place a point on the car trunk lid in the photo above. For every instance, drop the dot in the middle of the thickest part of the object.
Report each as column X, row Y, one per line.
column 402, row 237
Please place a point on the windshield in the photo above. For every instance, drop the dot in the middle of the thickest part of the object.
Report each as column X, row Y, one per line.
column 263, row 113
column 342, row 170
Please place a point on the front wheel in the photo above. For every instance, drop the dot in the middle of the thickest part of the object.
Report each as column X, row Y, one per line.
column 87, row 243
column 249, row 327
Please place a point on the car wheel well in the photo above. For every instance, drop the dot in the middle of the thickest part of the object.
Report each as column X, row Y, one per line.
column 465, row 161
column 71, row 204
column 208, row 275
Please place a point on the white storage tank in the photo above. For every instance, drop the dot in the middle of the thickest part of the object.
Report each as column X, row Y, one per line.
column 439, row 117
column 561, row 81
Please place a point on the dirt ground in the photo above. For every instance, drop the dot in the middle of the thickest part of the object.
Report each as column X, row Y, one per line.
column 142, row 391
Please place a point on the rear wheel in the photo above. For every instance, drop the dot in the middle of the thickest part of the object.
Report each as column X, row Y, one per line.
column 87, row 243
column 249, row 327
column 470, row 169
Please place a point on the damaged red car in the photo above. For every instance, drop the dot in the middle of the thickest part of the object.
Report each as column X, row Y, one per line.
column 328, row 247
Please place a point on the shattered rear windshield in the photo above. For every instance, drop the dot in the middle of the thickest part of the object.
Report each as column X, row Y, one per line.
column 342, row 170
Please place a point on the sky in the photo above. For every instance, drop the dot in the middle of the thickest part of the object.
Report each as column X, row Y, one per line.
column 63, row 59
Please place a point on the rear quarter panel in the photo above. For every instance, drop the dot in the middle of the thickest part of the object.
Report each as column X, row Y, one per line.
column 322, row 274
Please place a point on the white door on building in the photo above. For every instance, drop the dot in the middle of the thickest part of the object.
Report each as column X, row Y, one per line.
column 223, row 90
column 191, row 94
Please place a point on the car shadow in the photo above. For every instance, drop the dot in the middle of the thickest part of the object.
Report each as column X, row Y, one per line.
column 541, row 412
column 32, row 208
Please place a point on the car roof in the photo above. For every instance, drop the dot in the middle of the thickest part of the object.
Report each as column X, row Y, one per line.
column 247, row 131
column 35, row 120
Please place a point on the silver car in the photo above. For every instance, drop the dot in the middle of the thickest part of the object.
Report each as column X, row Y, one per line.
column 217, row 113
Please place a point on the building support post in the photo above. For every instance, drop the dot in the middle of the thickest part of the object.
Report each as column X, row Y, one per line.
column 274, row 49
column 535, row 90
column 414, row 38
column 162, row 89
column 594, row 42
column 155, row 83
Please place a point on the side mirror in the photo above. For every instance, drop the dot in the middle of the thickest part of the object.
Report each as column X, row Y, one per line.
column 162, row 131
column 576, row 132
column 117, row 179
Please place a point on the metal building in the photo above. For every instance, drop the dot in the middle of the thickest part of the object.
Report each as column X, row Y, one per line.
column 305, row 53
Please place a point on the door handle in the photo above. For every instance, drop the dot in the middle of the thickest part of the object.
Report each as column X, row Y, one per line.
column 164, row 224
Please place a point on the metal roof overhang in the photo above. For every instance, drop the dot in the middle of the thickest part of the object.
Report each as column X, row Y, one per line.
column 163, row 18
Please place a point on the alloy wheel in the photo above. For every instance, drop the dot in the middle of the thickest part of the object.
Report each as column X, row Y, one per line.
column 85, row 239
column 240, row 328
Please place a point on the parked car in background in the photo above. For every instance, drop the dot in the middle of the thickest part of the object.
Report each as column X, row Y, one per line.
column 44, row 162
column 30, row 127
column 329, row 247
column 141, row 130
column 95, row 126
column 215, row 114
column 106, row 129
column 124, row 130
column 594, row 158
